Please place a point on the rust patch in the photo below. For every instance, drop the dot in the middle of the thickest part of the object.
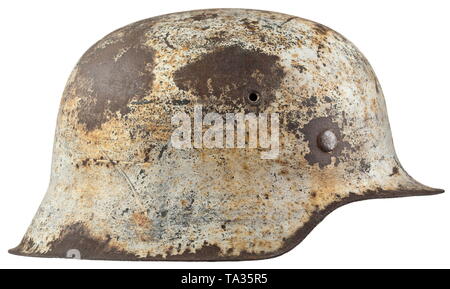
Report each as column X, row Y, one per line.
column 395, row 171
column 310, row 102
column 364, row 167
column 76, row 236
column 251, row 25
column 204, row 253
column 311, row 132
column 110, row 77
column 141, row 219
column 300, row 68
column 226, row 76
column 204, row 16
column 288, row 20
column 321, row 29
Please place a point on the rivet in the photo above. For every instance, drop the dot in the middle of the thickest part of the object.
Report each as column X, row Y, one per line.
column 327, row 141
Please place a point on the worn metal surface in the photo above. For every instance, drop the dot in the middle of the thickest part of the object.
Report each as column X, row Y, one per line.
column 120, row 191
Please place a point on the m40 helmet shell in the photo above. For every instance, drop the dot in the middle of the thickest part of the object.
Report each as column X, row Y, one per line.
column 122, row 189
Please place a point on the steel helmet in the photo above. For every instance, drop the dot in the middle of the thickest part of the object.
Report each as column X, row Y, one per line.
column 222, row 134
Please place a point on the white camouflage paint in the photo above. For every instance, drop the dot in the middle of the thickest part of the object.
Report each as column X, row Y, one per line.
column 119, row 190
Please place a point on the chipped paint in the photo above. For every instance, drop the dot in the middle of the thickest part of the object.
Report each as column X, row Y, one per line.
column 226, row 76
column 120, row 191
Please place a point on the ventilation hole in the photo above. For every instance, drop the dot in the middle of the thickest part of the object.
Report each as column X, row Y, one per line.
column 253, row 97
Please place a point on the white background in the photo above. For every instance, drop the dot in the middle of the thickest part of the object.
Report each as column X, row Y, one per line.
column 407, row 43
